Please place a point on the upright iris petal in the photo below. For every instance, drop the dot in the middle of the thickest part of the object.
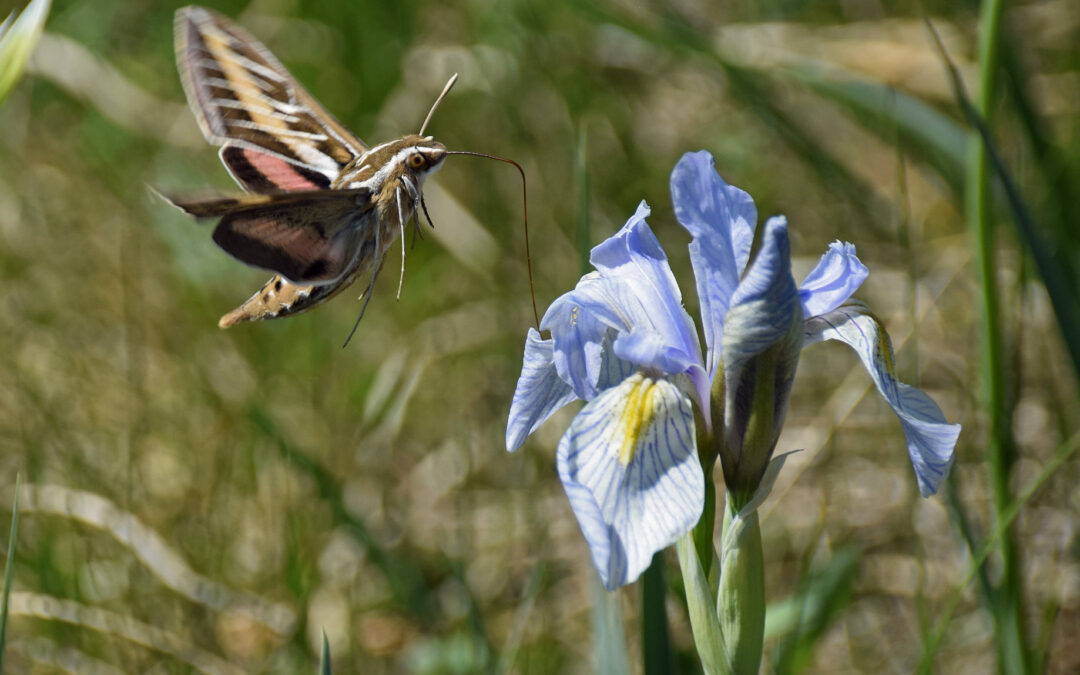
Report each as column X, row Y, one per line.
column 721, row 218
column 761, row 343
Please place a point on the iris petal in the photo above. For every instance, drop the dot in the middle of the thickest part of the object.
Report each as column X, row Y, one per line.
column 634, row 293
column 645, row 294
column 765, row 302
column 540, row 392
column 930, row 439
column 721, row 218
column 764, row 315
column 837, row 276
column 630, row 468
column 578, row 321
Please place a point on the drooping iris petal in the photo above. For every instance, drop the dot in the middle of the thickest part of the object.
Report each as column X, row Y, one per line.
column 630, row 468
column 613, row 370
column 540, row 392
column 837, row 276
column 578, row 321
column 721, row 218
column 930, row 439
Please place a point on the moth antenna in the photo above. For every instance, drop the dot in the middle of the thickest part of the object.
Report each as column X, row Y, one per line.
column 401, row 227
column 445, row 91
column 367, row 293
column 525, row 206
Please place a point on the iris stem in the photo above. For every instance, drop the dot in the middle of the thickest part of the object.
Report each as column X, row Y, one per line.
column 1007, row 605
column 740, row 602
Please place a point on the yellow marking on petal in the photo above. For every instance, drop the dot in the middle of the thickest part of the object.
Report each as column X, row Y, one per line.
column 637, row 415
column 884, row 350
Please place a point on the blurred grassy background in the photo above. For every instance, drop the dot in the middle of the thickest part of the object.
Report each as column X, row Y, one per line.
column 197, row 500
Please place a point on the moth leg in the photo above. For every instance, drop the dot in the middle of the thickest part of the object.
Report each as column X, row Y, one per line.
column 415, row 194
column 417, row 229
column 401, row 227
column 371, row 285
column 427, row 215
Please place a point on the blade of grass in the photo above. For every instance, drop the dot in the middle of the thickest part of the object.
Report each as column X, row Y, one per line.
column 930, row 648
column 656, row 653
column 1054, row 277
column 324, row 657
column 1001, row 449
column 894, row 116
column 9, row 571
column 822, row 597
column 1060, row 172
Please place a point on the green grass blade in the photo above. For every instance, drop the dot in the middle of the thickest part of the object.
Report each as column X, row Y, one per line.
column 17, row 40
column 9, row 572
column 894, row 116
column 1059, row 169
column 656, row 653
column 1001, row 449
column 803, row 619
column 1063, row 453
column 1054, row 277
column 324, row 657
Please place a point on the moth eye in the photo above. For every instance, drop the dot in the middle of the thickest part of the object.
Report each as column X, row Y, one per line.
column 416, row 161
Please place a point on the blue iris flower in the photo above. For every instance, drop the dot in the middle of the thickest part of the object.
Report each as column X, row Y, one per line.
column 622, row 342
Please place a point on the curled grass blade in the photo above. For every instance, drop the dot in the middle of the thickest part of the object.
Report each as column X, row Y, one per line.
column 9, row 571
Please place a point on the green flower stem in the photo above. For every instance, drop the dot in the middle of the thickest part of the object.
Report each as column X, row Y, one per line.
column 1008, row 609
column 740, row 603
column 704, row 624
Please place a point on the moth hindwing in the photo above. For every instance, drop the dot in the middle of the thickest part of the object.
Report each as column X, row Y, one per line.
column 324, row 207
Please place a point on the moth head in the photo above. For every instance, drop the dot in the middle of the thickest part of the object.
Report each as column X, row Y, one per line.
column 424, row 155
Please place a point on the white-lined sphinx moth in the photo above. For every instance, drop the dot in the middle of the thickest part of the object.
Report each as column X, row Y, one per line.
column 324, row 207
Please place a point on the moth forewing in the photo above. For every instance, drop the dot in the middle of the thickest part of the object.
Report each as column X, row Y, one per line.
column 328, row 206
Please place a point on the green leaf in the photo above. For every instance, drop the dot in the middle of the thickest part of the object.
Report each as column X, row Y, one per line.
column 704, row 622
